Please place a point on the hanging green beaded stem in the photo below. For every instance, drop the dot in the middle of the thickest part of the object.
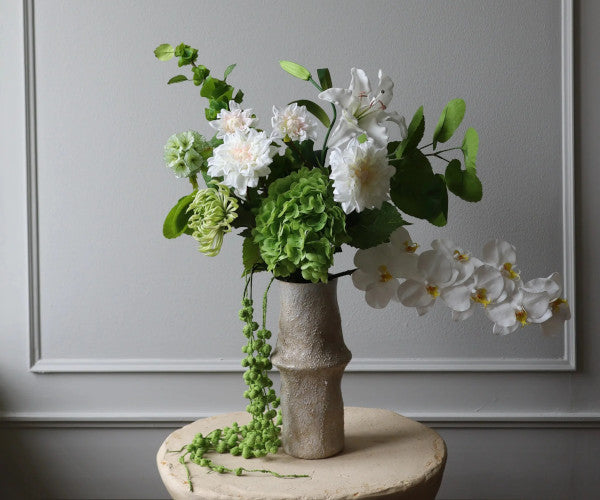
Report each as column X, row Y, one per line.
column 261, row 435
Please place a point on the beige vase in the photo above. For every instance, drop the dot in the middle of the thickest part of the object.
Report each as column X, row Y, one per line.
column 311, row 357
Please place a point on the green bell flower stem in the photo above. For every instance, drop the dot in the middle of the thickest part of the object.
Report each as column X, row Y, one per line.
column 194, row 181
column 324, row 153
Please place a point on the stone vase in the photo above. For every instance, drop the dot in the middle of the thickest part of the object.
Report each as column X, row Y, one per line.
column 311, row 356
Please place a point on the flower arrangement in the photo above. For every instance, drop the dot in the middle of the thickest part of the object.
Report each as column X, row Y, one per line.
column 296, row 204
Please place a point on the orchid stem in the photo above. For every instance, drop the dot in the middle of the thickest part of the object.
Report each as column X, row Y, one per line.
column 344, row 273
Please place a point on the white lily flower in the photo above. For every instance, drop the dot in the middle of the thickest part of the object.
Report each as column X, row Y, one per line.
column 523, row 308
column 361, row 175
column 558, row 306
column 436, row 272
column 377, row 274
column 503, row 256
column 233, row 120
column 363, row 112
column 485, row 287
column 293, row 123
column 242, row 159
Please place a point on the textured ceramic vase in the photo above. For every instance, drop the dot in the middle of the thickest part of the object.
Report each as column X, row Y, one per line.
column 311, row 357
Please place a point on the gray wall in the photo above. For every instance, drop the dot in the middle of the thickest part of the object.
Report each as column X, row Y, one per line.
column 111, row 336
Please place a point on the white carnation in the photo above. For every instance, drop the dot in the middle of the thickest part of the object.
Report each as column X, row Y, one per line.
column 233, row 120
column 294, row 123
column 241, row 160
column 361, row 175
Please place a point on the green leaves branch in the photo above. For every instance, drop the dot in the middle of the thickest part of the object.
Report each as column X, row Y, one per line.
column 416, row 189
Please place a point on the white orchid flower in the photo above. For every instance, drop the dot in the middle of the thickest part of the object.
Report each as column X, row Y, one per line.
column 523, row 308
column 558, row 306
column 485, row 287
column 436, row 272
column 378, row 271
column 405, row 249
column 363, row 112
column 361, row 175
column 464, row 263
column 503, row 256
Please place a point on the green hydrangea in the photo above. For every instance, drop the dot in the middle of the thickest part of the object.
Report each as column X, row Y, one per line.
column 186, row 153
column 299, row 226
column 214, row 209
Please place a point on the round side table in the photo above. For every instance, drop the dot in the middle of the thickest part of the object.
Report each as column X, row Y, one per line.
column 386, row 456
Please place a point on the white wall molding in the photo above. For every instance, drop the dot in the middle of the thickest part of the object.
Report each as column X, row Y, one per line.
column 229, row 365
column 542, row 420
column 40, row 364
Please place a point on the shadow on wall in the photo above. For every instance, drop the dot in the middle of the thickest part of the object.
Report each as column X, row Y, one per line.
column 21, row 473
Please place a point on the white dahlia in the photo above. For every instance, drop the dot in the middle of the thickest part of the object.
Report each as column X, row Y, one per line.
column 233, row 120
column 294, row 123
column 241, row 160
column 361, row 175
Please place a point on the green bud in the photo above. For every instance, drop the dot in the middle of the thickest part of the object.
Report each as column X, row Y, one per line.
column 295, row 69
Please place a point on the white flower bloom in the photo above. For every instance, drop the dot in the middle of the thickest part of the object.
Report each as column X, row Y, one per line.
column 558, row 306
column 293, row 122
column 436, row 272
column 405, row 249
column 464, row 263
column 361, row 111
column 485, row 287
column 241, row 160
column 523, row 308
column 377, row 273
column 361, row 176
column 503, row 256
column 233, row 120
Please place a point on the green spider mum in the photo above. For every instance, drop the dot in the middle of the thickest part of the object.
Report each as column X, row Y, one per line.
column 214, row 209
column 299, row 226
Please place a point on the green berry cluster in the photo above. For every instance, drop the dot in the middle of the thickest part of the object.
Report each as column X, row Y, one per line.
column 261, row 435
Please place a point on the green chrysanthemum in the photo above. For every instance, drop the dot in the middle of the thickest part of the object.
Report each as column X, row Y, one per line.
column 214, row 209
column 299, row 226
column 186, row 153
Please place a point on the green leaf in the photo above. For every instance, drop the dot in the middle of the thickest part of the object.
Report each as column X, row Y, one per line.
column 315, row 109
column 415, row 189
column 239, row 97
column 324, row 78
column 250, row 255
column 176, row 221
column 200, row 74
column 228, row 70
column 187, row 55
column 441, row 218
column 469, row 147
column 164, row 52
column 214, row 106
column 414, row 135
column 213, row 88
column 176, row 79
column 373, row 226
column 463, row 183
column 295, row 69
column 449, row 121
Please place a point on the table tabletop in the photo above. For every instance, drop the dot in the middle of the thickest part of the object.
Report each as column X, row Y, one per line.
column 386, row 456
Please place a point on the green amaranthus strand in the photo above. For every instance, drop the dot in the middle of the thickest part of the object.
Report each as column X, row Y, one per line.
column 261, row 435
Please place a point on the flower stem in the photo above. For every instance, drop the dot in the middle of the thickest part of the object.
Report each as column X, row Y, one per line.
column 324, row 152
column 442, row 151
column 344, row 273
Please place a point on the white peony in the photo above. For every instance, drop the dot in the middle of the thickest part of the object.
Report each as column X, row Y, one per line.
column 361, row 175
column 241, row 160
column 293, row 123
column 233, row 120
